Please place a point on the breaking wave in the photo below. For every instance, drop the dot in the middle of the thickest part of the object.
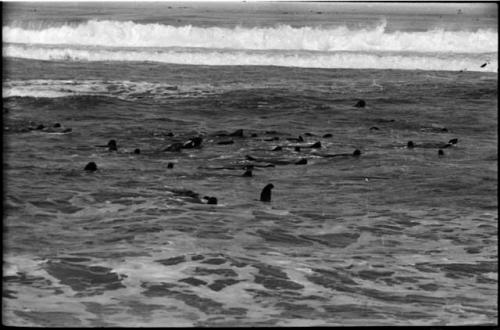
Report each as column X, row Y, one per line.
column 284, row 37
column 314, row 47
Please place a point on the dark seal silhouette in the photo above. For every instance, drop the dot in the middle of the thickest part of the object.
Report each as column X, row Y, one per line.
column 193, row 142
column 170, row 165
column 112, row 145
column 176, row 147
column 453, row 141
column 56, row 125
column 277, row 148
column 297, row 149
column 265, row 195
column 91, row 167
column 315, row 145
column 248, row 173
column 360, row 104
column 410, row 145
column 440, row 152
column 238, row 133
column 210, row 200
column 137, row 151
column 327, row 135
column 302, row 161
column 356, row 153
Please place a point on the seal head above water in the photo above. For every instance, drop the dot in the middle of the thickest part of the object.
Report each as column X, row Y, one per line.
column 265, row 195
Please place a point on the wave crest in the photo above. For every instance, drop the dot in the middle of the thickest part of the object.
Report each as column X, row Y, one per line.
column 327, row 60
column 284, row 37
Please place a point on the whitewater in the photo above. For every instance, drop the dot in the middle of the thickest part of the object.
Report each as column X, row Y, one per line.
column 281, row 45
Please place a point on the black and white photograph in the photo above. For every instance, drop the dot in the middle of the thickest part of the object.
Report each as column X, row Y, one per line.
column 249, row 164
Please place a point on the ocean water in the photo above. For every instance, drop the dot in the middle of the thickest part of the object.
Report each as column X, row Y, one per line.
column 396, row 236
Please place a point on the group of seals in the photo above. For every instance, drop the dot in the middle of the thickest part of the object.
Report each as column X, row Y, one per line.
column 55, row 128
column 196, row 142
column 410, row 145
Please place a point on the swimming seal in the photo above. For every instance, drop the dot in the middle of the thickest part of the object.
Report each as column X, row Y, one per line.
column 277, row 148
column 440, row 152
column 176, row 146
column 210, row 200
column 137, row 151
column 265, row 195
column 356, row 153
column 238, row 133
column 360, row 104
column 315, row 145
column 193, row 142
column 112, row 145
column 170, row 165
column 327, row 135
column 91, row 167
column 248, row 173
column 302, row 161
column 410, row 145
column 297, row 149
column 453, row 141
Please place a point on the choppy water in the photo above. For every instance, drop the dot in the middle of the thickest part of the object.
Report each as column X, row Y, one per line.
column 396, row 236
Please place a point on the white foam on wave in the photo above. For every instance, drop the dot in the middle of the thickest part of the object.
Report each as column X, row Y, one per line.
column 284, row 37
column 125, row 90
column 328, row 60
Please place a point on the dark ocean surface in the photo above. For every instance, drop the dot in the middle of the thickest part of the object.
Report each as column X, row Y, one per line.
column 396, row 236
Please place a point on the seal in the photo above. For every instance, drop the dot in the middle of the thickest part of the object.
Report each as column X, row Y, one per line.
column 453, row 141
column 410, row 145
column 194, row 142
column 170, row 165
column 112, row 145
column 315, row 145
column 327, row 135
column 265, row 195
column 440, row 152
column 248, row 173
column 277, row 148
column 238, row 133
column 137, row 151
column 302, row 161
column 360, row 104
column 356, row 153
column 175, row 147
column 91, row 167
column 210, row 200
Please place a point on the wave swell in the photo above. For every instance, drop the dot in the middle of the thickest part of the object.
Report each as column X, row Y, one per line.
column 283, row 37
column 328, row 60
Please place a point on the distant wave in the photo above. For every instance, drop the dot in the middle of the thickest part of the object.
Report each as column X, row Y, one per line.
column 283, row 37
column 345, row 60
column 125, row 90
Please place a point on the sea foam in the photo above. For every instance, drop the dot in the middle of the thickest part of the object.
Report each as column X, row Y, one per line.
column 283, row 45
column 284, row 37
